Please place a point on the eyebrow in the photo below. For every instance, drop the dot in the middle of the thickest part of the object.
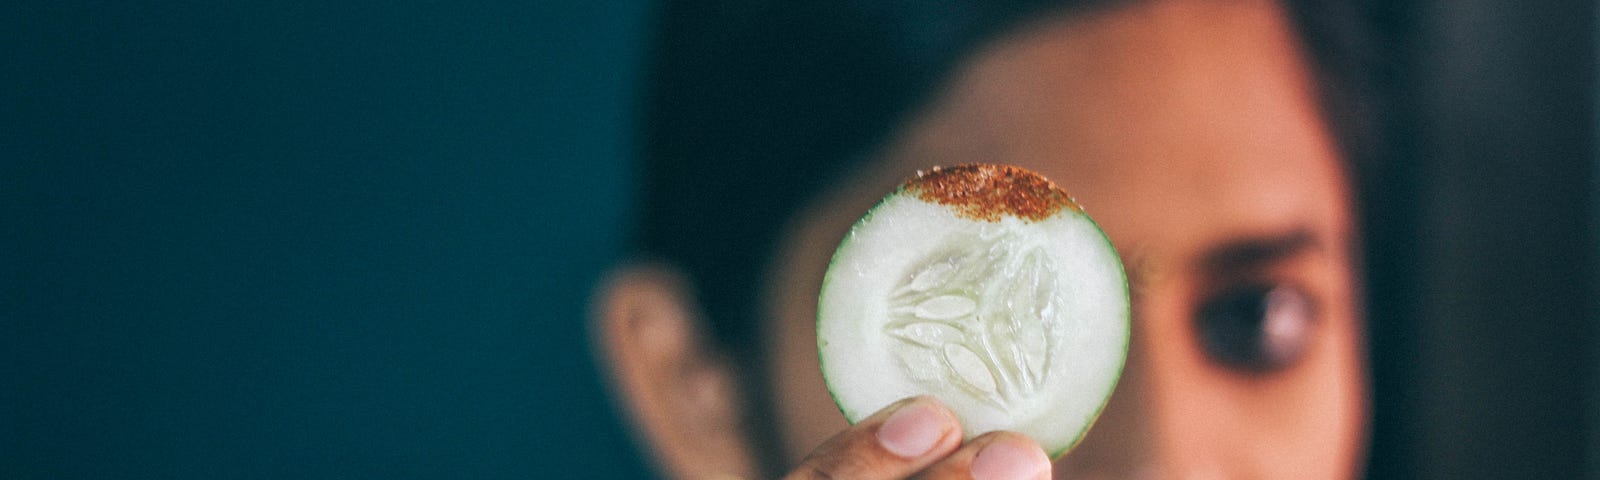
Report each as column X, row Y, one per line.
column 1248, row 254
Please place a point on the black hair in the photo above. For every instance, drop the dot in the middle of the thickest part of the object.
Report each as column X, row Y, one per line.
column 752, row 106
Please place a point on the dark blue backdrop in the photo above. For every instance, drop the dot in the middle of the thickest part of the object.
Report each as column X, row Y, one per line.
column 310, row 239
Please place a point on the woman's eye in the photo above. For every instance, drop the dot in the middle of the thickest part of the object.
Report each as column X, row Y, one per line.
column 1259, row 328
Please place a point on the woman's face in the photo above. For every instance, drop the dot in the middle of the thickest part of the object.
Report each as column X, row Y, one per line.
column 1193, row 136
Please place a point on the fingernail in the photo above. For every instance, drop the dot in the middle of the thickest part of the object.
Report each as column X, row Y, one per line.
column 1008, row 459
column 913, row 430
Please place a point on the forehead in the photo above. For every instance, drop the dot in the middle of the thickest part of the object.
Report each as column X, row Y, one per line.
column 1173, row 125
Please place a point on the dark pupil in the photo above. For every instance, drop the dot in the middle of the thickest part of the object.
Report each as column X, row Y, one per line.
column 1255, row 327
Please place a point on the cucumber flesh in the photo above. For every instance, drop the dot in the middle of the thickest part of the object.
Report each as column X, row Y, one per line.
column 986, row 287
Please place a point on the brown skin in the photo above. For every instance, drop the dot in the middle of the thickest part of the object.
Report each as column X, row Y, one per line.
column 1188, row 130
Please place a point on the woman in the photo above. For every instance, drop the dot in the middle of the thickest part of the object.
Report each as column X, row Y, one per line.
column 1199, row 134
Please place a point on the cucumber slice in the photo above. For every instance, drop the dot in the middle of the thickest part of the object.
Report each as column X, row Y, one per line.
column 985, row 286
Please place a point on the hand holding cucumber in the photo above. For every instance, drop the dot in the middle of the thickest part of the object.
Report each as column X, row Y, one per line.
column 919, row 438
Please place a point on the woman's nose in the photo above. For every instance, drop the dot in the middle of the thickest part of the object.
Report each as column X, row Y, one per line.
column 1154, row 425
column 1121, row 443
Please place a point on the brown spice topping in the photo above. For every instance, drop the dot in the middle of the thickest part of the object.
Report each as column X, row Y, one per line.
column 986, row 192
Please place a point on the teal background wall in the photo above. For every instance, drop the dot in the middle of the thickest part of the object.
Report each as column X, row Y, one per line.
column 310, row 239
column 355, row 239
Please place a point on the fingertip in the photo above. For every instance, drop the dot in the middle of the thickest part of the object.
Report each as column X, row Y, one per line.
column 1010, row 456
column 915, row 427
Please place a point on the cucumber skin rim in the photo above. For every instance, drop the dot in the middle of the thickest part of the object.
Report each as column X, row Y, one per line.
column 1127, row 315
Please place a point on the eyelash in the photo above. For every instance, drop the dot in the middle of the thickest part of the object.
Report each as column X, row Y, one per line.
column 1256, row 327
